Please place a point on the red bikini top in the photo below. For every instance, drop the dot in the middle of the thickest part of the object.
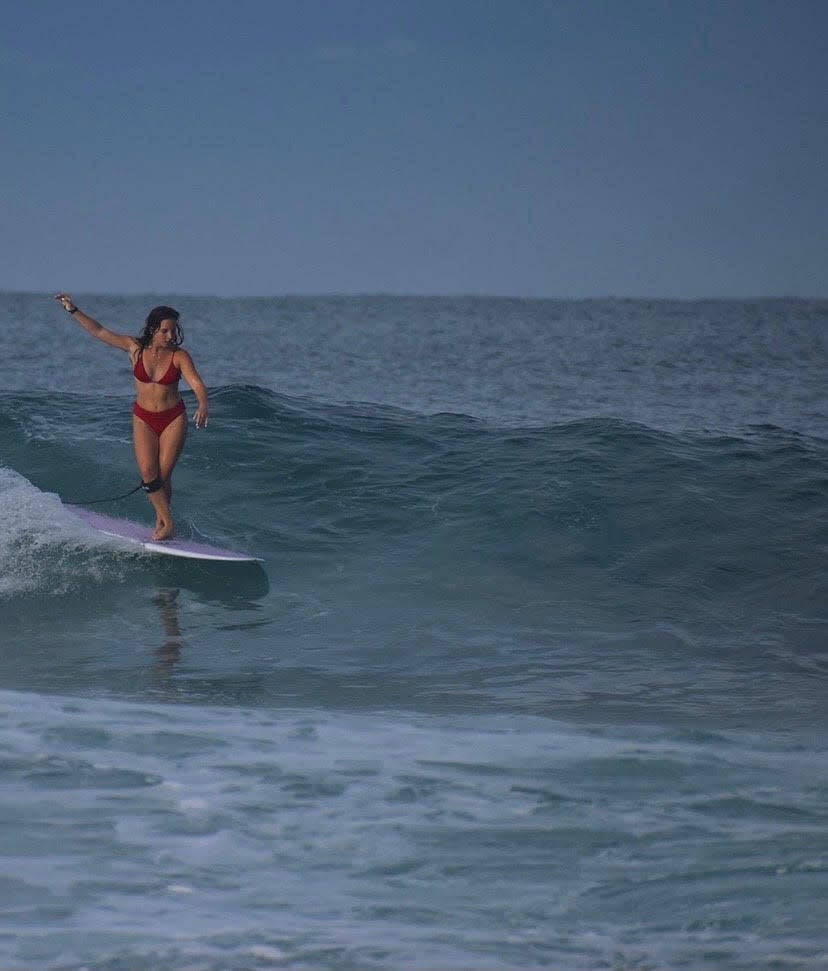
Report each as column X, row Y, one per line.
column 172, row 375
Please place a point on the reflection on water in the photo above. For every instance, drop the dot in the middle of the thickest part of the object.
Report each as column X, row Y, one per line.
column 169, row 653
column 134, row 622
column 238, row 586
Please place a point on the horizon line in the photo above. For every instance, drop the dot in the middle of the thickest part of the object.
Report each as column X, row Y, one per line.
column 385, row 294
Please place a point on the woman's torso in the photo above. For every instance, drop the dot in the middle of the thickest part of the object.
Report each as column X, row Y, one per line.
column 156, row 379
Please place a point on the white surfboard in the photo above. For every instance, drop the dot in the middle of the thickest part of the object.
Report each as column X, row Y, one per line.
column 141, row 536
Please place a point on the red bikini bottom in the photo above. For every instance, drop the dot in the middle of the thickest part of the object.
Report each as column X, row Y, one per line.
column 158, row 420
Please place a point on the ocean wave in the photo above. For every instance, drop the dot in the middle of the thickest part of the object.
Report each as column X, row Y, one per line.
column 594, row 498
column 584, row 566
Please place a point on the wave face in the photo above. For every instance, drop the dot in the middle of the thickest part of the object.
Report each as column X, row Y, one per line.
column 533, row 674
column 587, row 537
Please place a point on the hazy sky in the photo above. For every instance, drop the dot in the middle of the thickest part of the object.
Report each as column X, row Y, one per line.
column 516, row 147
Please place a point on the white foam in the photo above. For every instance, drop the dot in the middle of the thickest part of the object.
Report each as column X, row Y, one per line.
column 36, row 536
column 265, row 953
column 194, row 805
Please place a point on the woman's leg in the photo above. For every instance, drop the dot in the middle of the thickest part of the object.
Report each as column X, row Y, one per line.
column 147, row 456
column 170, row 446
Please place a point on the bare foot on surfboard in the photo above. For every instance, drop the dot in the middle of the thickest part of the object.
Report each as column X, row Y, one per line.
column 163, row 530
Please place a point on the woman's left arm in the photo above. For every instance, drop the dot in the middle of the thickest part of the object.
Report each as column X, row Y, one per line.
column 193, row 378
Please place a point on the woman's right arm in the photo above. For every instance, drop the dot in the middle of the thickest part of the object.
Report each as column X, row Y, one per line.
column 91, row 326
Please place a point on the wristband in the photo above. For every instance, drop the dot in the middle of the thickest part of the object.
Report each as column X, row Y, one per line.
column 71, row 310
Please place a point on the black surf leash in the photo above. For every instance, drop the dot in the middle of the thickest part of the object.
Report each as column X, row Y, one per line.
column 153, row 486
column 92, row 502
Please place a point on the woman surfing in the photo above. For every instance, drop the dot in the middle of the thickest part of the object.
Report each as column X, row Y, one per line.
column 159, row 419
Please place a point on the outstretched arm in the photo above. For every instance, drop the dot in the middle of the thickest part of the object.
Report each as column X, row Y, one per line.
column 91, row 326
column 193, row 378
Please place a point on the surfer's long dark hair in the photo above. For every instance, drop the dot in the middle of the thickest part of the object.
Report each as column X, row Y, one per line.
column 154, row 318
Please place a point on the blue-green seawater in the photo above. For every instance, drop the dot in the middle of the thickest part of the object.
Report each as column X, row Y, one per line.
column 533, row 673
